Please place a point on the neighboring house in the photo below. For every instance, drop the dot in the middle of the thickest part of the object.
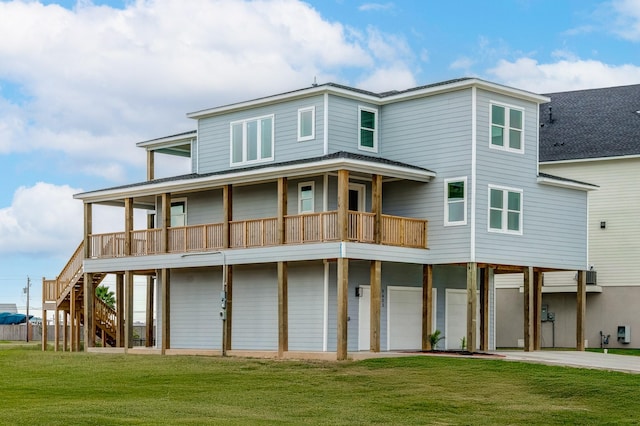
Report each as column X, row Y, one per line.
column 593, row 136
column 332, row 219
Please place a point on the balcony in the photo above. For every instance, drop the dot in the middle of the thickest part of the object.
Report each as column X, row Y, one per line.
column 298, row 229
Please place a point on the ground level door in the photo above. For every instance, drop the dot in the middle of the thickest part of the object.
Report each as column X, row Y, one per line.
column 455, row 328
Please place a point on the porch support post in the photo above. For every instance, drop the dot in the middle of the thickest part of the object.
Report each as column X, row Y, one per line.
column 72, row 315
column 120, row 310
column 581, row 309
column 342, row 265
column 77, row 330
column 229, row 322
column 376, row 207
column 528, row 309
column 88, row 225
column 343, row 205
column 282, row 209
column 537, row 310
column 374, row 308
column 89, row 313
column 427, row 306
column 56, row 331
column 343, row 290
column 128, row 225
column 484, row 309
column 65, row 331
column 44, row 329
column 166, row 221
column 128, row 306
column 472, row 305
column 165, row 297
column 149, row 311
column 150, row 165
column 283, row 309
column 227, row 211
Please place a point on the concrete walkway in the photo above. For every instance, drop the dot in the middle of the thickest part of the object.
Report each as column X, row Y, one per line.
column 624, row 363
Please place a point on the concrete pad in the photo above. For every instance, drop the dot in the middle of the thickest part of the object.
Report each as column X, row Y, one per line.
column 623, row 363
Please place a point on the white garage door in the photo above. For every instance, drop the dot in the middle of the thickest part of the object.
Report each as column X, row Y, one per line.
column 404, row 313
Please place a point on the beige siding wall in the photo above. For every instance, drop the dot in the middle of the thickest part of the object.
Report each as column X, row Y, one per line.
column 614, row 252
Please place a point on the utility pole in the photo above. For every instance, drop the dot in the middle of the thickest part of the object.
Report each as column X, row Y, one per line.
column 26, row 290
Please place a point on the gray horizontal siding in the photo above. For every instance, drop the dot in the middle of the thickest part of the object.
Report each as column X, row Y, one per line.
column 214, row 134
column 255, row 308
column 306, row 306
column 554, row 219
column 195, row 309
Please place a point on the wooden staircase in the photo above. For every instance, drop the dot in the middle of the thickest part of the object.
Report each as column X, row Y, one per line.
column 68, row 288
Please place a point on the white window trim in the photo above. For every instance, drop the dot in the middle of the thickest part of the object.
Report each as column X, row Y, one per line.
column 244, row 140
column 313, row 196
column 179, row 200
column 375, row 130
column 505, row 210
column 446, row 201
column 506, row 146
column 313, row 124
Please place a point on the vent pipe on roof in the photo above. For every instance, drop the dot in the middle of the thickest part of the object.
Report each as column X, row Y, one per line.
column 550, row 115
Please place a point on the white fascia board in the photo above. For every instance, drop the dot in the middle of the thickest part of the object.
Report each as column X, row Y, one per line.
column 586, row 160
column 257, row 175
column 373, row 99
column 168, row 141
column 317, row 90
column 566, row 184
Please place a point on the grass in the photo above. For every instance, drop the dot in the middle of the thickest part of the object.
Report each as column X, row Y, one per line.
column 79, row 388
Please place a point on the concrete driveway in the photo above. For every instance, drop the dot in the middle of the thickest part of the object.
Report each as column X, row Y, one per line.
column 624, row 363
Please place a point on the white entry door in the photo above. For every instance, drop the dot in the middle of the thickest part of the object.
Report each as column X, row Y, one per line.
column 404, row 318
column 455, row 325
column 364, row 318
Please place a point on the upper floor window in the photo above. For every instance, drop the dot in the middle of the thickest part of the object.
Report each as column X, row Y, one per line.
column 368, row 126
column 306, row 123
column 252, row 140
column 507, row 128
column 178, row 213
column 455, row 208
column 305, row 197
column 505, row 210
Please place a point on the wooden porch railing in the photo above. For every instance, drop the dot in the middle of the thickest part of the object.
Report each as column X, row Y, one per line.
column 54, row 289
column 105, row 316
column 299, row 229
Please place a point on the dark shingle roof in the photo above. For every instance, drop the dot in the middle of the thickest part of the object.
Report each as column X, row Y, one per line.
column 595, row 123
column 335, row 155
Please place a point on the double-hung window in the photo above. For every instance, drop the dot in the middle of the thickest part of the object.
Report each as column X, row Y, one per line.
column 306, row 123
column 305, row 197
column 505, row 210
column 252, row 140
column 455, row 207
column 507, row 128
column 368, row 129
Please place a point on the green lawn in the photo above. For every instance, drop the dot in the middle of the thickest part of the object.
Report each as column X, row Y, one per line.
column 63, row 388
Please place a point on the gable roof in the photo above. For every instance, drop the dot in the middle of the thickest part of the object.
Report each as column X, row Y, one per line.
column 588, row 124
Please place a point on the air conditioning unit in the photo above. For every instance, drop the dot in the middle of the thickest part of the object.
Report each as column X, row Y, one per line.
column 592, row 277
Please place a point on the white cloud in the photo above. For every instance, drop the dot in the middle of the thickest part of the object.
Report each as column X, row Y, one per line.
column 41, row 219
column 463, row 63
column 98, row 79
column 394, row 78
column 564, row 75
column 627, row 19
column 45, row 219
column 367, row 7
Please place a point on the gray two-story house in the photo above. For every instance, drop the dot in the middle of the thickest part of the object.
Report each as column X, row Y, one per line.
column 331, row 220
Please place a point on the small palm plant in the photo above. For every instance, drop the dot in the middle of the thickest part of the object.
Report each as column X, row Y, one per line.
column 434, row 338
column 108, row 297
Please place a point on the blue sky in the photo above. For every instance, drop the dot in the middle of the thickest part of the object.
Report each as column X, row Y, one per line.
column 82, row 82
